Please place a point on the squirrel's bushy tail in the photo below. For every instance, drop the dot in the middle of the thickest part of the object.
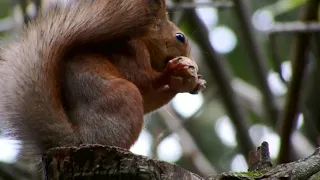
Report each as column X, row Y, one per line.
column 30, row 67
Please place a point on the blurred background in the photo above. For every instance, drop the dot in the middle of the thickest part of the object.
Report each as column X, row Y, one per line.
column 260, row 59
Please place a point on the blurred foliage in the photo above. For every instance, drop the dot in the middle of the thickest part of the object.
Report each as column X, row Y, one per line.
column 201, row 126
column 4, row 4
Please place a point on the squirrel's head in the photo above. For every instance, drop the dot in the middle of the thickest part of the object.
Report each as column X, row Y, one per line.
column 165, row 41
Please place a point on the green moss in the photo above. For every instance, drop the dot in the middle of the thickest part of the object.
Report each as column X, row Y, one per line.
column 252, row 174
column 315, row 176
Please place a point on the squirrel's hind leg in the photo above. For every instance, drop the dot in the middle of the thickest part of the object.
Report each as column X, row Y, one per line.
column 106, row 109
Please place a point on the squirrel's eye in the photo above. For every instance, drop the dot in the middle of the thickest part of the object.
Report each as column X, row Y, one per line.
column 181, row 37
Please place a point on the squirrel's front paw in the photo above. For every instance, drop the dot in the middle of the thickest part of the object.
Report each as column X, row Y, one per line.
column 183, row 76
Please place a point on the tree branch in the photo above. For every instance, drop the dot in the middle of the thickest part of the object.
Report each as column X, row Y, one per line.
column 222, row 77
column 175, row 124
column 293, row 27
column 257, row 59
column 292, row 105
column 276, row 58
column 103, row 162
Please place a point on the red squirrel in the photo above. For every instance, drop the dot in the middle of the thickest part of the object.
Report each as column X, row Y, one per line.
column 87, row 72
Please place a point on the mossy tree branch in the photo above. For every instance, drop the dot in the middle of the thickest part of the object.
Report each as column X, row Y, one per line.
column 103, row 162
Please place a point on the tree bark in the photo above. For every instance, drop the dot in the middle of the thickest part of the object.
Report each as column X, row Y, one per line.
column 103, row 162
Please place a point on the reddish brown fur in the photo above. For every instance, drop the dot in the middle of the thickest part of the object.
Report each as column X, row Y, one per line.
column 87, row 73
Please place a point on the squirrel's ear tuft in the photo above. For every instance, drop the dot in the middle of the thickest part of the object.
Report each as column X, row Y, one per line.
column 163, row 11
column 163, row 2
